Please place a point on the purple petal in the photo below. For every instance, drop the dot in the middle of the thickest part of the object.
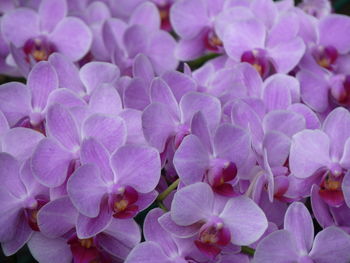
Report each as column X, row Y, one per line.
column 106, row 100
column 136, row 94
column 50, row 163
column 120, row 237
column 158, row 125
column 110, row 131
column 160, row 92
column 23, row 234
column 314, row 90
column 72, row 38
column 191, row 160
column 133, row 122
column 184, row 22
column 277, row 147
column 246, row 221
column 209, row 105
column 169, row 225
column 147, row 252
column 67, row 72
column 86, row 189
column 199, row 127
column 179, row 83
column 21, row 142
column 277, row 247
column 137, row 166
column 276, row 97
column 286, row 122
column 95, row 73
column 333, row 32
column 329, row 244
column 146, row 15
column 49, row 19
column 20, row 25
column 161, row 52
column 309, row 152
column 192, row 204
column 228, row 139
column 337, row 127
column 57, row 217
column 346, row 188
column 135, row 40
column 154, row 232
column 61, row 125
column 320, row 209
column 94, row 153
column 9, row 174
column 286, row 56
column 11, row 214
column 14, row 101
column 65, row 97
column 311, row 119
column 142, row 68
column 265, row 10
column 283, row 30
column 244, row 36
column 88, row 227
column 190, row 49
column 298, row 221
column 42, row 80
column 47, row 250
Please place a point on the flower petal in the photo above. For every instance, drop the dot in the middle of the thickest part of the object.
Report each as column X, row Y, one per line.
column 191, row 160
column 94, row 74
column 42, row 80
column 14, row 101
column 50, row 163
column 72, row 37
column 329, row 244
column 110, row 131
column 49, row 19
column 88, row 227
column 277, row 247
column 246, row 221
column 21, row 142
column 57, row 217
column 86, row 190
column 137, row 166
column 19, row 25
column 309, row 152
column 298, row 221
column 49, row 250
column 337, row 127
column 192, row 204
column 61, row 125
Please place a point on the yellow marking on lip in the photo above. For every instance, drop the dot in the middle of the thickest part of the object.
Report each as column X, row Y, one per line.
column 87, row 243
column 121, row 205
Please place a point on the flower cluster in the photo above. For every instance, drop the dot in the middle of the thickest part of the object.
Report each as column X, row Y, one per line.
column 113, row 149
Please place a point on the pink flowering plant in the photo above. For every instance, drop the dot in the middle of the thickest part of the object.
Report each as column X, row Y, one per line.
column 174, row 131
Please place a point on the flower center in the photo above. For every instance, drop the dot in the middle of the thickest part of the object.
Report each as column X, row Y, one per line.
column 212, row 237
column 220, row 172
column 213, row 42
column 330, row 189
column 340, row 89
column 259, row 60
column 38, row 49
column 164, row 13
column 123, row 203
column 32, row 214
column 326, row 56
